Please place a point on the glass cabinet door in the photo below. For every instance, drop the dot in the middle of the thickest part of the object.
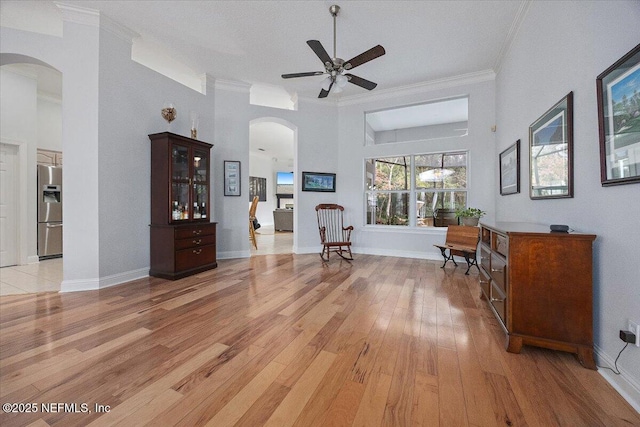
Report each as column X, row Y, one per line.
column 200, row 186
column 180, row 183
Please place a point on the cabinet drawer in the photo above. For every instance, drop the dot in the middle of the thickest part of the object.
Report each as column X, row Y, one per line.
column 485, row 258
column 195, row 231
column 195, row 257
column 499, row 272
column 502, row 244
column 499, row 302
column 194, row 242
column 485, row 283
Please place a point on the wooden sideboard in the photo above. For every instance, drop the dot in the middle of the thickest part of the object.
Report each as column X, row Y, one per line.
column 539, row 285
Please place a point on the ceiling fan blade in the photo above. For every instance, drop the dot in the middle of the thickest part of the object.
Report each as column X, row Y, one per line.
column 324, row 93
column 310, row 73
column 367, row 56
column 316, row 46
column 359, row 81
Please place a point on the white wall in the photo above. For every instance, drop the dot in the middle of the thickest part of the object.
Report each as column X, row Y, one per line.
column 404, row 241
column 49, row 123
column 315, row 149
column 563, row 47
column 130, row 99
column 18, row 126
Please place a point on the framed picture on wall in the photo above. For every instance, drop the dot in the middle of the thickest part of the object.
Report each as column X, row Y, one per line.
column 510, row 170
column 551, row 152
column 231, row 178
column 319, row 181
column 619, row 120
column 258, row 187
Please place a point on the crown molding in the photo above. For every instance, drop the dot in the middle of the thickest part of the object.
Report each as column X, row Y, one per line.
column 115, row 28
column 511, row 35
column 449, row 82
column 93, row 17
column 78, row 15
column 231, row 85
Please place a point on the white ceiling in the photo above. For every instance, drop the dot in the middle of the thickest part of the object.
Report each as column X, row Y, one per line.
column 257, row 41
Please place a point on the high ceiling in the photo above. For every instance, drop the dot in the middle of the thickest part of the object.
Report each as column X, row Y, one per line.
column 257, row 41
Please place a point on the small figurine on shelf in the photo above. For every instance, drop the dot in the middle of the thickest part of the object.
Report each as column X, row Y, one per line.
column 194, row 125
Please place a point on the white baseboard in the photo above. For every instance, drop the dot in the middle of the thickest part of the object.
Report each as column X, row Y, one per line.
column 397, row 253
column 103, row 282
column 624, row 383
column 32, row 259
column 233, row 254
column 80, row 285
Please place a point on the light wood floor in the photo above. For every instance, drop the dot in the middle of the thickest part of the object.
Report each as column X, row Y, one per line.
column 284, row 340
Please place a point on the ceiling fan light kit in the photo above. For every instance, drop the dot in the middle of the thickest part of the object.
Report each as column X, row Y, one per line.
column 335, row 67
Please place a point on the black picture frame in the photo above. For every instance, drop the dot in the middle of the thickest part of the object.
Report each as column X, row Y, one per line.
column 232, row 176
column 319, row 181
column 258, row 187
column 510, row 170
column 618, row 92
column 551, row 152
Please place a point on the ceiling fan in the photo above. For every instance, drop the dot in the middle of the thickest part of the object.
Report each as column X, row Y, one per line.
column 335, row 67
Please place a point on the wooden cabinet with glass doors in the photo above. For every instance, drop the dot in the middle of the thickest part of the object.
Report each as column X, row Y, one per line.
column 183, row 240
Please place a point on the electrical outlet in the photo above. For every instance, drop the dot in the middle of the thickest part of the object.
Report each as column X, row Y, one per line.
column 635, row 328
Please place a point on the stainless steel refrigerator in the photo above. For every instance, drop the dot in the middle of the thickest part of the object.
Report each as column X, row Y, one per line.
column 49, row 211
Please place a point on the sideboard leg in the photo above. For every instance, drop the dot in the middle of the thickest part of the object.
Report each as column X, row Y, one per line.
column 585, row 356
column 514, row 344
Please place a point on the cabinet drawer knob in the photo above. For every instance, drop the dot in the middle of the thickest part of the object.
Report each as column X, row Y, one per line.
column 497, row 270
column 484, row 282
column 197, row 242
column 196, row 232
column 497, row 300
column 197, row 251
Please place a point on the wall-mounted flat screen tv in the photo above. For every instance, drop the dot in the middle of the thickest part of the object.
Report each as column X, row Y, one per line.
column 284, row 182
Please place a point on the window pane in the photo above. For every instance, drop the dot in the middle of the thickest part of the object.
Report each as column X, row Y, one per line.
column 441, row 171
column 388, row 208
column 427, row 202
column 393, row 173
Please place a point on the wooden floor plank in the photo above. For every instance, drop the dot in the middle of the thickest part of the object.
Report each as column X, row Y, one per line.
column 288, row 340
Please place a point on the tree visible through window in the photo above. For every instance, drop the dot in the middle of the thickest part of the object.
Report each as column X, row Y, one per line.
column 409, row 190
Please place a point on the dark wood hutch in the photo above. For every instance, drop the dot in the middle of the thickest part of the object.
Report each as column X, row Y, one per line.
column 183, row 238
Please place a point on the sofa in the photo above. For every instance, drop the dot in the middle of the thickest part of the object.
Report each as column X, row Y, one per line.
column 283, row 219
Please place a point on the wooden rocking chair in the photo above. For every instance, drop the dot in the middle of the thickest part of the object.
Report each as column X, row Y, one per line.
column 334, row 236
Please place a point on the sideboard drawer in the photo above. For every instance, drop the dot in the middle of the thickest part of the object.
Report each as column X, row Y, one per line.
column 498, row 301
column 194, row 242
column 499, row 272
column 195, row 257
column 195, row 230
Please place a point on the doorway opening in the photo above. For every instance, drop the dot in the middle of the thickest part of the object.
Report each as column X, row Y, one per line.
column 272, row 161
column 31, row 125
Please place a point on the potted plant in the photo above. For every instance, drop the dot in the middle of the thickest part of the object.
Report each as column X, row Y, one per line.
column 469, row 216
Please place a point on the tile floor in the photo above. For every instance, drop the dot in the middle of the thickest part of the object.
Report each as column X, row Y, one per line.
column 44, row 276
column 272, row 242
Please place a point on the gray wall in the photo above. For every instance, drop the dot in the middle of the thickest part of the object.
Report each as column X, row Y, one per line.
column 563, row 47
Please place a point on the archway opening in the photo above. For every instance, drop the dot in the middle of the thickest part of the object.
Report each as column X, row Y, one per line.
column 272, row 176
column 30, row 133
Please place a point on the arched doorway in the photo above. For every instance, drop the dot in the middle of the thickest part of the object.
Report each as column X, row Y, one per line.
column 273, row 154
column 31, row 121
